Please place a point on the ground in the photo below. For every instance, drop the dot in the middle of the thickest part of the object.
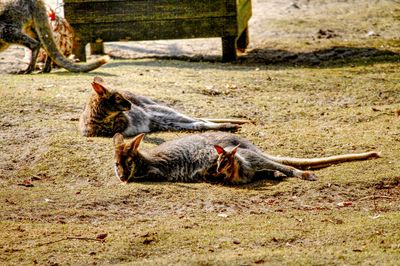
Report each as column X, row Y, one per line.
column 320, row 78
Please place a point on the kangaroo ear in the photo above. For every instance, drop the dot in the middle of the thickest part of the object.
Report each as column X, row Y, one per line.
column 134, row 145
column 234, row 150
column 98, row 79
column 219, row 149
column 118, row 139
column 98, row 86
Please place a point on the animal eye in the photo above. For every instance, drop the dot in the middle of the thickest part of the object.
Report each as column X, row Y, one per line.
column 118, row 98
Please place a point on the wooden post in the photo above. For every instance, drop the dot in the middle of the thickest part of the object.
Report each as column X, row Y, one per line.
column 79, row 50
column 243, row 40
column 229, row 49
column 97, row 47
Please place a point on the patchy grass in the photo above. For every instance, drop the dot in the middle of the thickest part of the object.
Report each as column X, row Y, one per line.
column 58, row 192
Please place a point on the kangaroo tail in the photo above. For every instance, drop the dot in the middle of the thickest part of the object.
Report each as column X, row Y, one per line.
column 45, row 34
column 317, row 163
column 226, row 120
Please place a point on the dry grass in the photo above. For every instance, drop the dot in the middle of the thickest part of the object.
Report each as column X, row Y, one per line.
column 300, row 107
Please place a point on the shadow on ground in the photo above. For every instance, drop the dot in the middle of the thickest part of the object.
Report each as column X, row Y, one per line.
column 332, row 57
column 335, row 56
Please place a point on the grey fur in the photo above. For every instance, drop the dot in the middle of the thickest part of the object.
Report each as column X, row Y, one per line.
column 194, row 158
column 143, row 116
column 188, row 159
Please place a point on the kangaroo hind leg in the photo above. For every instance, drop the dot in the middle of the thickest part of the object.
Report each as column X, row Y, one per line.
column 165, row 118
column 290, row 171
column 20, row 38
column 205, row 125
column 260, row 162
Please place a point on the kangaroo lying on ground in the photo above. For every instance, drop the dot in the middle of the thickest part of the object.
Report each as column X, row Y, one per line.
column 25, row 22
column 193, row 158
column 242, row 165
column 109, row 111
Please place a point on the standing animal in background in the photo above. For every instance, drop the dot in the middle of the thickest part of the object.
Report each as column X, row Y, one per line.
column 110, row 111
column 63, row 35
column 193, row 158
column 25, row 22
column 242, row 165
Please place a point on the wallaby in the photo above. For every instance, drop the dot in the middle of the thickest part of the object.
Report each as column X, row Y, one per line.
column 193, row 158
column 187, row 159
column 242, row 165
column 110, row 111
column 25, row 22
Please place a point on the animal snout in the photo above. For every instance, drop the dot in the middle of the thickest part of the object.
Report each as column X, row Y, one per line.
column 121, row 177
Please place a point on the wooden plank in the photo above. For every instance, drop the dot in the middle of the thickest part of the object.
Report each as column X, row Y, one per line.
column 231, row 6
column 244, row 14
column 109, row 11
column 94, row 1
column 243, row 41
column 156, row 30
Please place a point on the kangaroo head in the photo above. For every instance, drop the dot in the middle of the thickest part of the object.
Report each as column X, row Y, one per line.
column 226, row 162
column 109, row 100
column 126, row 156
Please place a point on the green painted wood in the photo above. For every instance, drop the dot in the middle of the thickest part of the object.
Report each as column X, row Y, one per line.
column 106, row 11
column 155, row 30
column 175, row 2
column 243, row 15
column 129, row 20
column 243, row 41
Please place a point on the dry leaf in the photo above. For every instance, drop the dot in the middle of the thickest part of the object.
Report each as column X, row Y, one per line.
column 345, row 204
column 26, row 183
column 101, row 236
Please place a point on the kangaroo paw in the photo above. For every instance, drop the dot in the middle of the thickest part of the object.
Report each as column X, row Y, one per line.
column 29, row 70
column 308, row 175
column 230, row 127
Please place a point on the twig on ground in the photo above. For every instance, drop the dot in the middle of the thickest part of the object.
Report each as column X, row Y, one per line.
column 375, row 197
column 70, row 238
